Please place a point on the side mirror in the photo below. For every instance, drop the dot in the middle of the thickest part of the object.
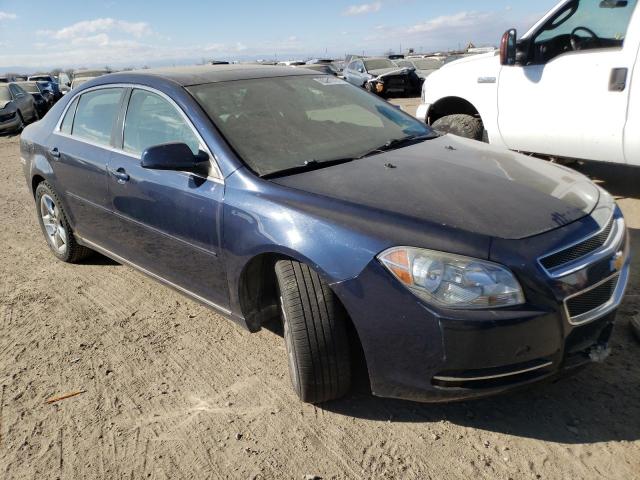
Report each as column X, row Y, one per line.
column 171, row 156
column 508, row 48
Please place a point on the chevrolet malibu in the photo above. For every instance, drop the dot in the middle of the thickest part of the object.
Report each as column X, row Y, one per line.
column 457, row 269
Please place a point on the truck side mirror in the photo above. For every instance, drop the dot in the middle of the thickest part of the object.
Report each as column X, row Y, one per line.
column 508, row 48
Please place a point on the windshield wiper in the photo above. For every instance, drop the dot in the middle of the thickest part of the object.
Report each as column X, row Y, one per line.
column 310, row 165
column 397, row 143
column 307, row 166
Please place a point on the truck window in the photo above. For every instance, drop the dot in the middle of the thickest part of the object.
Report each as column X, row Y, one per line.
column 583, row 25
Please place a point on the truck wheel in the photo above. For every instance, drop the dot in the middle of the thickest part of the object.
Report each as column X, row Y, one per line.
column 315, row 334
column 461, row 125
column 55, row 226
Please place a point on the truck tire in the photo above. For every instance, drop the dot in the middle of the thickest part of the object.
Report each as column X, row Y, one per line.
column 461, row 125
column 56, row 228
column 315, row 334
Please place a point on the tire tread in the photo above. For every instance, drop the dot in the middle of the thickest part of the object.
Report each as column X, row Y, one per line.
column 317, row 324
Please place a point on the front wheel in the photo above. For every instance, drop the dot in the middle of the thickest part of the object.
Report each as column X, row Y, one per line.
column 461, row 125
column 315, row 334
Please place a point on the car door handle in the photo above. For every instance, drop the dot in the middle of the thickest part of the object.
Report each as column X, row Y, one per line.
column 54, row 152
column 618, row 79
column 120, row 175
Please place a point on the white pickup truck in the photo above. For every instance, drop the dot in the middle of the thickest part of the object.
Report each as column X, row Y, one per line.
column 569, row 88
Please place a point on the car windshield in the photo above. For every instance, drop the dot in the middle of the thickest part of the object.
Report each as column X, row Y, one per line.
column 4, row 93
column 379, row 64
column 30, row 87
column 276, row 124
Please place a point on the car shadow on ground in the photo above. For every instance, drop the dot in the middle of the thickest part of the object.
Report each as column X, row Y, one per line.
column 619, row 180
column 599, row 403
column 98, row 259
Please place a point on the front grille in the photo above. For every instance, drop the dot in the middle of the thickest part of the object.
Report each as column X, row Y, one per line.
column 592, row 299
column 577, row 251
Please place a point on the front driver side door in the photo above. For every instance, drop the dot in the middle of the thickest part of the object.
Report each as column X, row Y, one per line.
column 167, row 222
column 565, row 101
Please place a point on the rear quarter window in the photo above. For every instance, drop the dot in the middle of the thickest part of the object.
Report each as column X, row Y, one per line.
column 67, row 121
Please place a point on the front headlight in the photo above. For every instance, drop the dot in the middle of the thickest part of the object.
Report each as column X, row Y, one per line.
column 453, row 281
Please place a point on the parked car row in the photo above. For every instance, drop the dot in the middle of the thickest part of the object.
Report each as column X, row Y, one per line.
column 395, row 74
column 17, row 108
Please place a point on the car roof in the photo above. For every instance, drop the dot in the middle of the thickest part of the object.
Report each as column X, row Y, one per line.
column 200, row 74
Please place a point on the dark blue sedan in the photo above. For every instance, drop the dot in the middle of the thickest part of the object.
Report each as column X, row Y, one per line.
column 458, row 269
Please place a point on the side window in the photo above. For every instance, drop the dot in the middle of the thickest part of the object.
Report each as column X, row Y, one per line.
column 584, row 25
column 152, row 120
column 67, row 122
column 95, row 115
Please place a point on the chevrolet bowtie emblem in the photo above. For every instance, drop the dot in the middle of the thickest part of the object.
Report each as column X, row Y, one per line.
column 617, row 261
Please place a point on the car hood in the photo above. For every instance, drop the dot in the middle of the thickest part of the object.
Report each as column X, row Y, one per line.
column 4, row 104
column 459, row 183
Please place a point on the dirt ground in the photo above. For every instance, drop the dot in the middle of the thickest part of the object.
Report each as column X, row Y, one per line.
column 172, row 390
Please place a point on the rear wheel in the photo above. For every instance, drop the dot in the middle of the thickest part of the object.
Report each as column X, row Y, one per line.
column 55, row 226
column 461, row 125
column 315, row 334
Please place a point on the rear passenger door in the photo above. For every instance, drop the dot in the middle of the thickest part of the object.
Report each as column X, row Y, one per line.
column 79, row 151
column 166, row 222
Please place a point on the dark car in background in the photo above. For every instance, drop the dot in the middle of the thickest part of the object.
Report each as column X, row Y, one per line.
column 269, row 194
column 423, row 67
column 381, row 76
column 17, row 108
column 41, row 93
column 53, row 82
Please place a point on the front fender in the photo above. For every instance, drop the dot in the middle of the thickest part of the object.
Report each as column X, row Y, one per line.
column 258, row 222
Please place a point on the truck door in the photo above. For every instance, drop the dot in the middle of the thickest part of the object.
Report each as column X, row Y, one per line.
column 568, row 96
column 632, row 129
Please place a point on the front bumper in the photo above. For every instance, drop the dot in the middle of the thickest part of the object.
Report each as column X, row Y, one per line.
column 416, row 352
column 422, row 113
column 10, row 124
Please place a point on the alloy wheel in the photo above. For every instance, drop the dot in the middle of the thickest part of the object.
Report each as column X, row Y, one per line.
column 52, row 221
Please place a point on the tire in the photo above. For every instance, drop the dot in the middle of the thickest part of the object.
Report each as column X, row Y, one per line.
column 20, row 126
column 461, row 125
column 315, row 334
column 55, row 226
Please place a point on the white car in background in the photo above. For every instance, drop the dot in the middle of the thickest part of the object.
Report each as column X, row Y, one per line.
column 569, row 88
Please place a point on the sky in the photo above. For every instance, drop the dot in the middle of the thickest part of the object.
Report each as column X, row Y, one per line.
column 66, row 34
